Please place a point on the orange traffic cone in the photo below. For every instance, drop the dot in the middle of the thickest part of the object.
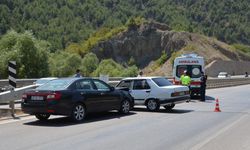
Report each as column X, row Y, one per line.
column 217, row 107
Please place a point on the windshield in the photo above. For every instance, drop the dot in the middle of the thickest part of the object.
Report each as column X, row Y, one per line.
column 194, row 71
column 58, row 84
column 162, row 82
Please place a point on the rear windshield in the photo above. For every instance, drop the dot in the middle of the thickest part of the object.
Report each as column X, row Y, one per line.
column 58, row 84
column 194, row 71
column 42, row 81
column 162, row 82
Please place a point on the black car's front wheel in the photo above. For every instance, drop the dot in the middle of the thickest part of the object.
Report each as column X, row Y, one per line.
column 42, row 117
column 78, row 113
column 125, row 107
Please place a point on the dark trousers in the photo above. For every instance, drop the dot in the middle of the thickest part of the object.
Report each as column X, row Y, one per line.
column 203, row 93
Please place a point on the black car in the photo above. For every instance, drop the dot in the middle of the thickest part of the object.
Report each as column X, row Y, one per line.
column 75, row 97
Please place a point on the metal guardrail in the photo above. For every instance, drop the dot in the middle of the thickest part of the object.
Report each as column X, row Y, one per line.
column 8, row 96
column 19, row 82
column 15, row 94
column 227, row 82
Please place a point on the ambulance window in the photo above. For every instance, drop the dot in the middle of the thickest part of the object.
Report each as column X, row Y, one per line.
column 180, row 70
column 196, row 71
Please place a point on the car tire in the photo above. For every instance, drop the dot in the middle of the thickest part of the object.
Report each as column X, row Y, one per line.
column 152, row 105
column 125, row 107
column 78, row 112
column 169, row 107
column 42, row 117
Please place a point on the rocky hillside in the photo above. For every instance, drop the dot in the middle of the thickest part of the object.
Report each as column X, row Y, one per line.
column 146, row 43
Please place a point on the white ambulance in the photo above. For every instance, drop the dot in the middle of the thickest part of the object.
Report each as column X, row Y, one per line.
column 193, row 64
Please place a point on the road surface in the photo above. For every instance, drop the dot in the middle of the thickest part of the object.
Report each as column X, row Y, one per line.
column 190, row 126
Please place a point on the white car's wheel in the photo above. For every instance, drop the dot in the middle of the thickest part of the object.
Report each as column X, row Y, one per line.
column 152, row 105
column 169, row 107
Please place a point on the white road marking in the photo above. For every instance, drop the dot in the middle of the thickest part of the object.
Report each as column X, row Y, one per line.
column 201, row 144
column 16, row 120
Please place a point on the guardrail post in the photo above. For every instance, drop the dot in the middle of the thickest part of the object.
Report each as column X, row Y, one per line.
column 12, row 82
column 12, row 104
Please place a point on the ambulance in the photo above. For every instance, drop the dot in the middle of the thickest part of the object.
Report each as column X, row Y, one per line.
column 193, row 64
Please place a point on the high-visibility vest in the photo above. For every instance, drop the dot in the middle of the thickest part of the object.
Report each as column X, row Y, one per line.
column 185, row 80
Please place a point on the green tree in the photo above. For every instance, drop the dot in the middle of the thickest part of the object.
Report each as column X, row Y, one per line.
column 64, row 64
column 113, row 69
column 31, row 56
column 89, row 64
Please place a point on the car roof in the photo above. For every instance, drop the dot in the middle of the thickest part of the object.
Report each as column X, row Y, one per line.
column 73, row 78
column 140, row 78
column 48, row 78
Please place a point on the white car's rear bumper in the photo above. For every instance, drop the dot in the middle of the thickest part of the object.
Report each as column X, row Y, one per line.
column 175, row 100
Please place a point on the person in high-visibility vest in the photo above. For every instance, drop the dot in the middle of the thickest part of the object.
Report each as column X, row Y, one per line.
column 185, row 79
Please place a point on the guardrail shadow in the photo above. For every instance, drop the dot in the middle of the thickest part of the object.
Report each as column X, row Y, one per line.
column 209, row 99
column 66, row 121
column 162, row 110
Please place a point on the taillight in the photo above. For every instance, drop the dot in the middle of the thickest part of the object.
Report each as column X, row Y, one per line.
column 54, row 96
column 24, row 96
column 174, row 80
column 174, row 94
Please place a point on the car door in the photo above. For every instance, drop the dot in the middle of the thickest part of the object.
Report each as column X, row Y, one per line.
column 140, row 91
column 89, row 95
column 110, row 99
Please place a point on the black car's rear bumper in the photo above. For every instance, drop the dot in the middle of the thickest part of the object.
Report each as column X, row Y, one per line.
column 175, row 100
column 43, row 108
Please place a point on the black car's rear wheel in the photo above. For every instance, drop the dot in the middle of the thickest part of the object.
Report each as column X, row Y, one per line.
column 125, row 107
column 78, row 113
column 169, row 107
column 152, row 105
column 42, row 117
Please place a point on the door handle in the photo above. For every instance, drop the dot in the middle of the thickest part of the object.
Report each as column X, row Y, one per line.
column 147, row 91
column 82, row 93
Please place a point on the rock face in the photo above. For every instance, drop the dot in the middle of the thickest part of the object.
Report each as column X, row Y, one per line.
column 146, row 43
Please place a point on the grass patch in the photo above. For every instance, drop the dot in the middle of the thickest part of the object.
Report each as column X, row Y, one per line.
column 243, row 48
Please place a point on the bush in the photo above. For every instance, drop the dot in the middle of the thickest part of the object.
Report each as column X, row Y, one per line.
column 162, row 59
column 89, row 64
column 241, row 47
column 63, row 64
column 113, row 69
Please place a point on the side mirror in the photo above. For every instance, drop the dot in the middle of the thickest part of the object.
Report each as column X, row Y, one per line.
column 112, row 88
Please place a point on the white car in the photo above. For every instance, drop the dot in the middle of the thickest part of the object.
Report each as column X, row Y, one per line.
column 154, row 92
column 223, row 75
column 42, row 81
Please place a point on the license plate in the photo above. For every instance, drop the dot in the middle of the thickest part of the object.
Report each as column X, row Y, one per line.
column 195, row 86
column 182, row 93
column 37, row 98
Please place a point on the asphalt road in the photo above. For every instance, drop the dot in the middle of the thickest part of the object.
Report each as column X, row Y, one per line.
column 191, row 126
